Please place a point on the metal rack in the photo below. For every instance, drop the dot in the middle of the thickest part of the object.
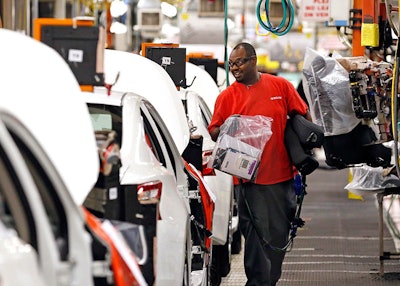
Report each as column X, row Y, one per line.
column 385, row 255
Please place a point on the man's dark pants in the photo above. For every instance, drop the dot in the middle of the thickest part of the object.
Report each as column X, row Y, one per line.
column 273, row 208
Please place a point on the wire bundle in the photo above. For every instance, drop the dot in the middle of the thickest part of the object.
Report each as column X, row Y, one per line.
column 285, row 26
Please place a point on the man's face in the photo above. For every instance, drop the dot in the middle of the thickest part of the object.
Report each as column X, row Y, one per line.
column 240, row 65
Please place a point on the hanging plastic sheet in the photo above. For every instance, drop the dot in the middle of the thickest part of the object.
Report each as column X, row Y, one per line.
column 327, row 88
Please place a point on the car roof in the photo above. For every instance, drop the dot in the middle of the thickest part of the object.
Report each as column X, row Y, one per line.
column 40, row 90
column 221, row 78
column 204, row 85
column 100, row 96
column 148, row 79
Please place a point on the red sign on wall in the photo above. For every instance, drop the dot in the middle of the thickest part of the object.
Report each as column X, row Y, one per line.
column 314, row 10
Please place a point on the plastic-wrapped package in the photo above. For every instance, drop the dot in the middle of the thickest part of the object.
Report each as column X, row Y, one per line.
column 327, row 88
column 240, row 144
column 367, row 179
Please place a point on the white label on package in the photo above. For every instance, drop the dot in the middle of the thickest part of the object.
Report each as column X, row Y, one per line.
column 233, row 143
column 75, row 56
column 239, row 164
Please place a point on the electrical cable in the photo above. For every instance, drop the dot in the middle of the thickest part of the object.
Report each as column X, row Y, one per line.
column 394, row 110
column 227, row 70
column 300, row 190
column 286, row 23
column 343, row 38
column 394, row 115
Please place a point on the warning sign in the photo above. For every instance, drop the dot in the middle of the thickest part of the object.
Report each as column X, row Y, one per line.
column 314, row 10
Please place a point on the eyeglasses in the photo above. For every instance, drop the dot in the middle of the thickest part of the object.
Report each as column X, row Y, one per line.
column 240, row 62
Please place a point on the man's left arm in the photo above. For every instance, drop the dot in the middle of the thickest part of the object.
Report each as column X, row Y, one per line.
column 298, row 104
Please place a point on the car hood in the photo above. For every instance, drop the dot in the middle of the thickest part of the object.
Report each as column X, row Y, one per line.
column 146, row 78
column 39, row 89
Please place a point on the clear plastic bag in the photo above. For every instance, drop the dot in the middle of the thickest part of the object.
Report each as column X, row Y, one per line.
column 327, row 88
column 367, row 179
column 240, row 144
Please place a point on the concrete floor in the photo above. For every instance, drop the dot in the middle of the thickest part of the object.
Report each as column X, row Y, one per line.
column 339, row 244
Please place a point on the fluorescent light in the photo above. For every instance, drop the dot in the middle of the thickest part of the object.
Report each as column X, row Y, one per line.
column 118, row 8
column 118, row 28
column 168, row 29
column 168, row 9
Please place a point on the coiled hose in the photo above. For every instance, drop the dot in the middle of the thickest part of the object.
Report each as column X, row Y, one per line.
column 287, row 19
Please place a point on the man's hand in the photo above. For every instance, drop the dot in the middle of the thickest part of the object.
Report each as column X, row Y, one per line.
column 214, row 133
column 308, row 116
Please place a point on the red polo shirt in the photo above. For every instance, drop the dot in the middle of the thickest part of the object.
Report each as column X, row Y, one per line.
column 271, row 96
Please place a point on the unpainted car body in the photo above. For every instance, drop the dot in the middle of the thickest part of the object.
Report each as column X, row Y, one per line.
column 198, row 98
column 221, row 183
column 48, row 163
column 222, row 79
column 180, row 257
column 17, row 254
column 135, row 120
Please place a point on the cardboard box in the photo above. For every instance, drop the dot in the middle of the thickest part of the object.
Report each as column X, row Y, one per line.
column 239, row 164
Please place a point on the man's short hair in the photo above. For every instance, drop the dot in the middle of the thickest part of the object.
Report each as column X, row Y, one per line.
column 250, row 51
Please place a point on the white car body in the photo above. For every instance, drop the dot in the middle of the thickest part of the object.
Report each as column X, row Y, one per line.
column 205, row 90
column 16, row 254
column 221, row 78
column 139, row 75
column 221, row 183
column 47, row 137
column 139, row 165
column 29, row 84
column 144, row 77
column 203, row 84
column 199, row 99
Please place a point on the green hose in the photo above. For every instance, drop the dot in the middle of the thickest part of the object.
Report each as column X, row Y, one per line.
column 283, row 28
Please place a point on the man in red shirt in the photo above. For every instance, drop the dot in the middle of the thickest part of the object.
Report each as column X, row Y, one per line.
column 267, row 205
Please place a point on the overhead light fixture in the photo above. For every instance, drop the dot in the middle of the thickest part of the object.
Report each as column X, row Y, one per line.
column 168, row 29
column 168, row 9
column 118, row 8
column 118, row 28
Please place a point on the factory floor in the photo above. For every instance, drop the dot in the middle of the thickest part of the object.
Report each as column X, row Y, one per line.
column 339, row 243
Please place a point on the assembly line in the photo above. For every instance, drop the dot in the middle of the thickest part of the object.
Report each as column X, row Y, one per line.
column 140, row 157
